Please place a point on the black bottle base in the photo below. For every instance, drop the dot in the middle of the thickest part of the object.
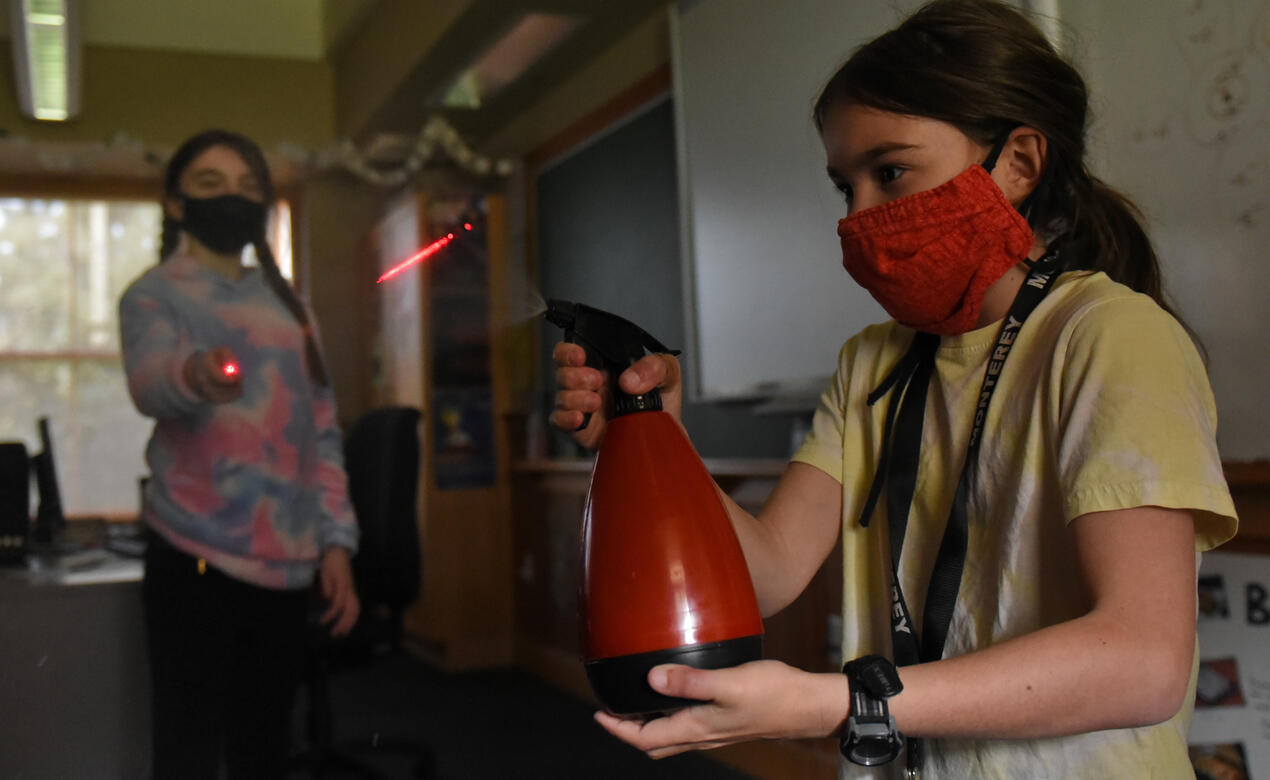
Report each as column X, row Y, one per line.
column 621, row 682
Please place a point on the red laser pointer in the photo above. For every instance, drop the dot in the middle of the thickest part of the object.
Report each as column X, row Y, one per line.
column 421, row 255
column 230, row 369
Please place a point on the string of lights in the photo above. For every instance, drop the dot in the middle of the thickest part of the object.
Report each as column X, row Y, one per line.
column 436, row 135
column 436, row 138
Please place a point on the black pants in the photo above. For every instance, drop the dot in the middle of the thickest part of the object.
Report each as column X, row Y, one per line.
column 225, row 659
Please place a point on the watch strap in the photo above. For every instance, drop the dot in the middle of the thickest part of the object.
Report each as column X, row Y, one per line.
column 875, row 674
column 871, row 737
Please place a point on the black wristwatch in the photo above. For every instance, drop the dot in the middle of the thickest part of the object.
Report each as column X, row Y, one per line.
column 870, row 737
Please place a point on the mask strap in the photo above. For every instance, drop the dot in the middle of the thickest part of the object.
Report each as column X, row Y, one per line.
column 997, row 147
column 991, row 162
column 1051, row 255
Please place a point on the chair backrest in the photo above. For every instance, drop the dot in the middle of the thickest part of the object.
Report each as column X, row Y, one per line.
column 381, row 456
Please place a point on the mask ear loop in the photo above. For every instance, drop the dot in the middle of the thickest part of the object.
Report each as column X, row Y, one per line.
column 998, row 146
column 990, row 162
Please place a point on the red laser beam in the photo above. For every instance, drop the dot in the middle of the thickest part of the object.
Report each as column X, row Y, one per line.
column 230, row 369
column 421, row 255
column 417, row 257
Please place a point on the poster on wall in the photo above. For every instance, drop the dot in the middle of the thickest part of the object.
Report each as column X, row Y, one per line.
column 463, row 437
column 459, row 325
column 1230, row 734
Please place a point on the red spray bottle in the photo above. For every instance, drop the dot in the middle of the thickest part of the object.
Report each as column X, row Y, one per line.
column 664, row 579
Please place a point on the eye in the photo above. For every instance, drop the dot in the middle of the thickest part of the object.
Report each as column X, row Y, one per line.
column 250, row 186
column 889, row 173
column 208, row 180
column 844, row 188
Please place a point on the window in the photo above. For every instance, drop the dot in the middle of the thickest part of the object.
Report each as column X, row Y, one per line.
column 63, row 265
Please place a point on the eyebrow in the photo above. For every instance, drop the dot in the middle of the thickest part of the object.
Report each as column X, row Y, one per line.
column 872, row 154
column 248, row 177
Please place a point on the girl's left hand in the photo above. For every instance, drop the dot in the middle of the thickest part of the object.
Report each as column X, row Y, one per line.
column 758, row 700
column 336, row 574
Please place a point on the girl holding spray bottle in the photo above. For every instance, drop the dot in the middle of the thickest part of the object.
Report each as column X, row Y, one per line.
column 1022, row 463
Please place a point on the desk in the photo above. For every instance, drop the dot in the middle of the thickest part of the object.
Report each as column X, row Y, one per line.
column 74, row 679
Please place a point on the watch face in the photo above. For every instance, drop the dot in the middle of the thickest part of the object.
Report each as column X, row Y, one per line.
column 873, row 752
column 871, row 744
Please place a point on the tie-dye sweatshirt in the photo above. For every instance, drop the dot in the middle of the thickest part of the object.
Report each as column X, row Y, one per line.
column 255, row 486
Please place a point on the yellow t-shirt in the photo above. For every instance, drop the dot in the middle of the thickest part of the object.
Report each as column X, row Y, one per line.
column 1103, row 404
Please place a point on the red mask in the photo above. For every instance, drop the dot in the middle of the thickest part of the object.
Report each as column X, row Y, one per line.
column 929, row 257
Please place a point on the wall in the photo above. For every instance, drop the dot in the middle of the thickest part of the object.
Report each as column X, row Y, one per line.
column 373, row 63
column 609, row 237
column 765, row 266
column 332, row 219
column 162, row 97
column 644, row 49
column 558, row 121
column 1180, row 99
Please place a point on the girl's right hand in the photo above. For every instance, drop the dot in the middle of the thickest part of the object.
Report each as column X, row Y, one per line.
column 584, row 390
column 209, row 375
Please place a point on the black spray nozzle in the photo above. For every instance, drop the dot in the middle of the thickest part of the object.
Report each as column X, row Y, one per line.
column 612, row 343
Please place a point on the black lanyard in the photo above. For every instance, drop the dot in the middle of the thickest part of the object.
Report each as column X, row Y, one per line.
column 897, row 468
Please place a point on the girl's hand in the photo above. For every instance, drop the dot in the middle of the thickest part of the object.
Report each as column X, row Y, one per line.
column 758, row 700
column 215, row 375
column 584, row 390
column 336, row 575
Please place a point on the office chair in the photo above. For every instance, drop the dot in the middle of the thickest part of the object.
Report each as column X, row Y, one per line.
column 381, row 453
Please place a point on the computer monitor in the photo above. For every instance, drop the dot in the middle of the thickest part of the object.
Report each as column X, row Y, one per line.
column 49, row 520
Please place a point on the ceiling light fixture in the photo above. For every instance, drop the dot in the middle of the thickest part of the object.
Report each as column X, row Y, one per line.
column 46, row 57
column 509, row 57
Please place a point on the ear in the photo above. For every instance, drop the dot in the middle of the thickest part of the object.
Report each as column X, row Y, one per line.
column 173, row 208
column 1022, row 161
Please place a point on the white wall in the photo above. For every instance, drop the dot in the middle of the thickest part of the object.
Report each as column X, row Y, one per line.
column 1180, row 92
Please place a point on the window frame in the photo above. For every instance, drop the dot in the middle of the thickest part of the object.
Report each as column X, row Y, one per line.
column 116, row 190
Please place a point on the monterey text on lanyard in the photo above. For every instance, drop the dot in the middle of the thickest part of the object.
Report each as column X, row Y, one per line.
column 950, row 561
column 897, row 466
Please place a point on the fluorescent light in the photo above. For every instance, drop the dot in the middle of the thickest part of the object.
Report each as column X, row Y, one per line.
column 46, row 57
column 509, row 57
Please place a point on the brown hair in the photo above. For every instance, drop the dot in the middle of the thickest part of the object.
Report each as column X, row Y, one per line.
column 245, row 148
column 984, row 68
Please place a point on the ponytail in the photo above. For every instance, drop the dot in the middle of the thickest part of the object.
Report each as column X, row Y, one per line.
column 286, row 293
column 1107, row 235
column 169, row 236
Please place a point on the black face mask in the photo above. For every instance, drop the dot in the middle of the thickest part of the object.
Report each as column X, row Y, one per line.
column 224, row 224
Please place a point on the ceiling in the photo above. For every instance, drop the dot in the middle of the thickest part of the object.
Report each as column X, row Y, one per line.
column 322, row 30
column 287, row 29
column 476, row 28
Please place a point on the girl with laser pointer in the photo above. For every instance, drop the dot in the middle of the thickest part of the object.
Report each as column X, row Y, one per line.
column 247, row 497
column 1021, row 464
